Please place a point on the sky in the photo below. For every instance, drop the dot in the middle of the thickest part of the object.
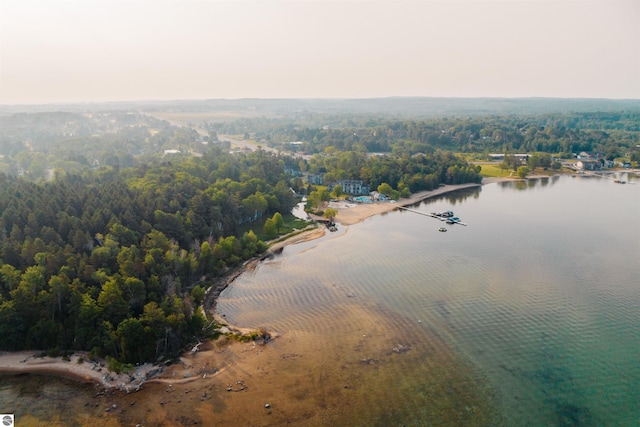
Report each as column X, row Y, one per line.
column 67, row 51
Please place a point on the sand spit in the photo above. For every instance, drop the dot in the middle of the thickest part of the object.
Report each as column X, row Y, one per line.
column 76, row 367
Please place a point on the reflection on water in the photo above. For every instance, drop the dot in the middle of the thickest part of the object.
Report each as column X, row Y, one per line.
column 462, row 195
column 34, row 397
column 538, row 294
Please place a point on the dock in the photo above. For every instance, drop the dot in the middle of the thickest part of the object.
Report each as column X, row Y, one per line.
column 440, row 218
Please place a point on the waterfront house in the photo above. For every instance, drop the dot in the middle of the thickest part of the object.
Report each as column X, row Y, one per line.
column 586, row 155
column 589, row 164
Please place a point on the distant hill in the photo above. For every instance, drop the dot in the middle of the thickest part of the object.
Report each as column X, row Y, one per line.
column 398, row 106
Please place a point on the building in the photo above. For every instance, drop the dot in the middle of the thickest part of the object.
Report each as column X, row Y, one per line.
column 291, row 171
column 351, row 186
column 591, row 155
column 589, row 165
column 315, row 179
column 524, row 158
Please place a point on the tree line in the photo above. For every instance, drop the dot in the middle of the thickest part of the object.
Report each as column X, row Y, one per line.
column 37, row 145
column 613, row 133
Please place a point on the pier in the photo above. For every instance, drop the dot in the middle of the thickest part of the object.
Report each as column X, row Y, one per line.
column 440, row 218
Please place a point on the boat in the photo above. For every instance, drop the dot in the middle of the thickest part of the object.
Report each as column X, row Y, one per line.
column 453, row 220
column 445, row 214
column 442, row 229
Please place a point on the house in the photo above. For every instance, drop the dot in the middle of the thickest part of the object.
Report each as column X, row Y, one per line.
column 291, row 171
column 315, row 179
column 524, row 158
column 589, row 165
column 380, row 197
column 584, row 155
column 351, row 186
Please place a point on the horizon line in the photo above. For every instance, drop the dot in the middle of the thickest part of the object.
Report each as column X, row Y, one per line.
column 142, row 100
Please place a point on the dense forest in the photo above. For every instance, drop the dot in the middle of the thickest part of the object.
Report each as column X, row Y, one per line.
column 38, row 144
column 116, row 262
column 113, row 223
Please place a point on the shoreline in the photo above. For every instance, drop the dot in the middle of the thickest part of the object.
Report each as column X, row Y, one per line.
column 78, row 367
column 353, row 215
column 308, row 376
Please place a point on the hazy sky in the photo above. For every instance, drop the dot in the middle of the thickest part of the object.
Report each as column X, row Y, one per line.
column 101, row 50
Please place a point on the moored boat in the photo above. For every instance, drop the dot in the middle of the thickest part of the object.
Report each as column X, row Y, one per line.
column 445, row 214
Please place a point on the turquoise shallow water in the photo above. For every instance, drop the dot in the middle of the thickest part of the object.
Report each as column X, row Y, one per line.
column 540, row 293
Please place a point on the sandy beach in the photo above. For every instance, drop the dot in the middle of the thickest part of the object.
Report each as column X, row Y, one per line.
column 349, row 215
column 76, row 367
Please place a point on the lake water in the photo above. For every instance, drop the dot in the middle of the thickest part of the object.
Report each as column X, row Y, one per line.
column 528, row 316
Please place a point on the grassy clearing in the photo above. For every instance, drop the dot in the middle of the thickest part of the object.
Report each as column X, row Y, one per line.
column 491, row 170
column 291, row 224
column 494, row 171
